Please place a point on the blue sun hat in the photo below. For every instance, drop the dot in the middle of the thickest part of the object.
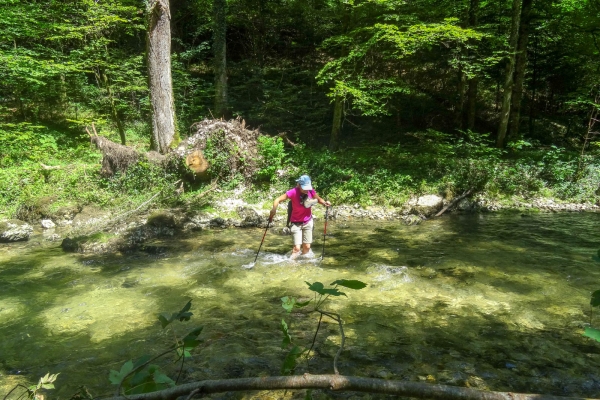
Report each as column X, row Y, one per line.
column 305, row 182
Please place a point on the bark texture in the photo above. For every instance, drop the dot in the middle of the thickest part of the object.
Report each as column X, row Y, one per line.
column 520, row 65
column 338, row 109
column 159, row 75
column 474, row 81
column 336, row 383
column 509, row 75
column 220, row 60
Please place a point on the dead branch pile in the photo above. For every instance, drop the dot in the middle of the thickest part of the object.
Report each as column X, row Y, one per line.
column 227, row 141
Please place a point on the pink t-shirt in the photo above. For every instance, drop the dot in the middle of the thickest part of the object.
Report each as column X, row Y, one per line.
column 299, row 212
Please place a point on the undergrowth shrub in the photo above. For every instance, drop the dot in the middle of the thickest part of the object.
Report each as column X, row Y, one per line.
column 141, row 178
column 271, row 154
column 22, row 142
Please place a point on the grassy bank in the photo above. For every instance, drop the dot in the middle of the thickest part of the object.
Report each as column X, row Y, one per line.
column 423, row 163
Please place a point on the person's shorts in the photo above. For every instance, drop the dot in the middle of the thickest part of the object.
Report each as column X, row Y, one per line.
column 302, row 233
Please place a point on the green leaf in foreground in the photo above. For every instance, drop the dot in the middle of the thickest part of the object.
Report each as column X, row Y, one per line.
column 289, row 364
column 287, row 339
column 117, row 377
column 320, row 288
column 595, row 300
column 288, row 303
column 592, row 333
column 350, row 284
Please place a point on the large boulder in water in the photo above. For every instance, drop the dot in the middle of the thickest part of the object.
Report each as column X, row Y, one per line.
column 14, row 230
column 427, row 205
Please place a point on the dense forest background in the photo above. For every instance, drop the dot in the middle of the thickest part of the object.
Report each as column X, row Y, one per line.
column 341, row 74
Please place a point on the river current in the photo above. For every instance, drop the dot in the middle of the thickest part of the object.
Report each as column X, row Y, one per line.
column 493, row 301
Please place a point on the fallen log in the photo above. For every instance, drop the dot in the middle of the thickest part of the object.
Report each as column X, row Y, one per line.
column 336, row 383
column 454, row 201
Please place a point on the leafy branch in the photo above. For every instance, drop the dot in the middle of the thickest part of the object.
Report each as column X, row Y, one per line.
column 142, row 376
column 321, row 295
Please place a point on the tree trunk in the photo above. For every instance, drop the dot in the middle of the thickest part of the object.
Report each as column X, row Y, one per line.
column 220, row 60
column 510, row 70
column 338, row 109
column 533, row 90
column 462, row 83
column 472, row 83
column 159, row 75
column 520, row 66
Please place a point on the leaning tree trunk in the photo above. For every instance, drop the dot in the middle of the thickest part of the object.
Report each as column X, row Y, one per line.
column 510, row 71
column 159, row 75
column 220, row 61
column 520, row 65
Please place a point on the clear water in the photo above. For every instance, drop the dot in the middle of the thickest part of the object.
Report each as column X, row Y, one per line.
column 497, row 302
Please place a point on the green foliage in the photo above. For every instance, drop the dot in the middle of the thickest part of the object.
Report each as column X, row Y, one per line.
column 271, row 154
column 141, row 178
column 45, row 382
column 219, row 153
column 290, row 303
column 22, row 142
column 142, row 376
column 594, row 302
column 183, row 315
column 368, row 73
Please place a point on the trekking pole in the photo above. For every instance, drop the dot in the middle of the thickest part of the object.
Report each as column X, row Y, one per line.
column 325, row 232
column 263, row 239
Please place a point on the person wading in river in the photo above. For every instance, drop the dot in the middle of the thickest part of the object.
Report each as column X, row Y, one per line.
column 302, row 198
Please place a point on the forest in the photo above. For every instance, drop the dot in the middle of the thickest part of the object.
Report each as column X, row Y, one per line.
column 131, row 106
column 501, row 96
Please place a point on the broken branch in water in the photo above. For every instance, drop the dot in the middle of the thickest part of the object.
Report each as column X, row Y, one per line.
column 337, row 383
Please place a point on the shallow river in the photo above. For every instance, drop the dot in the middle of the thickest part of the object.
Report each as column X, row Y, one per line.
column 497, row 302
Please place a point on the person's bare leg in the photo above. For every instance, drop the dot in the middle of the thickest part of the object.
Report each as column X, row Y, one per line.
column 305, row 248
column 295, row 251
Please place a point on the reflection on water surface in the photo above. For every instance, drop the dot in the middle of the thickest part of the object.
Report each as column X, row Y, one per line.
column 490, row 301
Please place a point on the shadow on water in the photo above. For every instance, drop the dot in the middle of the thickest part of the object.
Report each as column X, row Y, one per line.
column 496, row 302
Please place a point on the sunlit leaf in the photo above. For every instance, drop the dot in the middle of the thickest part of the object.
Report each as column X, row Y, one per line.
column 288, row 303
column 592, row 333
column 350, row 284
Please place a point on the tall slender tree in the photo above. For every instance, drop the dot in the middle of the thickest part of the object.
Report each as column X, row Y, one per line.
column 473, row 81
column 509, row 74
column 159, row 75
column 220, row 54
column 520, row 66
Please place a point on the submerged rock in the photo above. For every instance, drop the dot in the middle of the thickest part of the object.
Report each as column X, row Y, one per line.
column 14, row 230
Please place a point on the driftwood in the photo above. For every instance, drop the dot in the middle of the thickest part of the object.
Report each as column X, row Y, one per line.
column 336, row 383
column 454, row 201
